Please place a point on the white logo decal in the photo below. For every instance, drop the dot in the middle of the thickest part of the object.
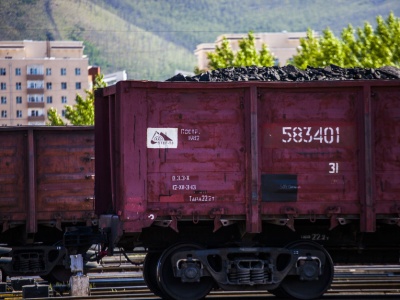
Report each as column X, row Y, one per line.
column 162, row 137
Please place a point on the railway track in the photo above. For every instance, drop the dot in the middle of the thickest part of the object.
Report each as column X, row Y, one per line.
column 355, row 280
column 117, row 279
column 136, row 289
column 140, row 291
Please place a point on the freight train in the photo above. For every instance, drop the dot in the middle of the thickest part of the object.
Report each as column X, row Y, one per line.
column 252, row 185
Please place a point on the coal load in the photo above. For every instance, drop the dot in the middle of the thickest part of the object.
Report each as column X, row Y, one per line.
column 291, row 73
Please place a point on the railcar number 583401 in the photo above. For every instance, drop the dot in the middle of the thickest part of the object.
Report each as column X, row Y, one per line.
column 327, row 135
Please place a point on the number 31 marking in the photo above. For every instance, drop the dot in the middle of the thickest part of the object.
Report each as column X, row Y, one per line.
column 334, row 168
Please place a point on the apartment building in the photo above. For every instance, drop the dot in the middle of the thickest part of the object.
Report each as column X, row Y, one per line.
column 38, row 75
column 113, row 78
column 283, row 45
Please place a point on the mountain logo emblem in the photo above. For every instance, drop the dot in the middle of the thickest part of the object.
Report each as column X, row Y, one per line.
column 160, row 137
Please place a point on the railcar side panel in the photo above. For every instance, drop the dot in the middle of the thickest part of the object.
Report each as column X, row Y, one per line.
column 385, row 118
column 195, row 147
column 65, row 174
column 47, row 176
column 183, row 153
column 310, row 150
column 13, row 176
column 253, row 151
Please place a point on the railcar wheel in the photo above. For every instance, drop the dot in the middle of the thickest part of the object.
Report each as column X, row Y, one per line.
column 150, row 273
column 279, row 293
column 173, row 286
column 293, row 287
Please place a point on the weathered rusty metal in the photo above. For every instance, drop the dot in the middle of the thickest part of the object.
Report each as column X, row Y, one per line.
column 44, row 174
column 254, row 148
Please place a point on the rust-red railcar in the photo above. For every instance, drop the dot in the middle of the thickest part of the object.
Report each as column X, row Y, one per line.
column 255, row 185
column 46, row 189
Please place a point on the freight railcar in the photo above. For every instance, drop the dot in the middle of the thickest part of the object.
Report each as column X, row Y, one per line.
column 249, row 185
column 46, row 199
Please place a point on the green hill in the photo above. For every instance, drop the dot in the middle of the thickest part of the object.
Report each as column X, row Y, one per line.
column 151, row 39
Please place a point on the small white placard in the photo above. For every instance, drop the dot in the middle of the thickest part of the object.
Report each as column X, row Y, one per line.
column 162, row 138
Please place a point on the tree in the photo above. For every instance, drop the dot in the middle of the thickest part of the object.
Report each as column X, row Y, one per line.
column 54, row 118
column 369, row 48
column 81, row 113
column 222, row 57
column 247, row 55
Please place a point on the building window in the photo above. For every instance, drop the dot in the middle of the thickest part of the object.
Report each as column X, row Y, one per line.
column 3, row 86
column 18, row 86
column 2, row 71
column 3, row 100
column 35, row 70
column 63, row 85
column 48, row 71
column 35, row 98
column 35, row 84
column 34, row 113
column 19, row 113
column 48, row 85
column 49, row 99
column 78, row 85
column 19, row 99
column 63, row 71
column 64, row 99
column 4, row 114
column 63, row 113
column 18, row 72
column 77, row 71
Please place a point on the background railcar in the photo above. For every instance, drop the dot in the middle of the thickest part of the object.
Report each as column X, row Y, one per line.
column 46, row 198
column 257, row 185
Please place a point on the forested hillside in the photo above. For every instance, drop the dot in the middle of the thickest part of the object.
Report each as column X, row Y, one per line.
column 150, row 39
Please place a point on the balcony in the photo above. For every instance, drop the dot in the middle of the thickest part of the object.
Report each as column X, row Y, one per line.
column 34, row 77
column 36, row 118
column 35, row 104
column 35, row 90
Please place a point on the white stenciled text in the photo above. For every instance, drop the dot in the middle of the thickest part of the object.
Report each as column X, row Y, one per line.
column 184, row 187
column 180, row 177
column 202, row 198
column 193, row 134
column 322, row 135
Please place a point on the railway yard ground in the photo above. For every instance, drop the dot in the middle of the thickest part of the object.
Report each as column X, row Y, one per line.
column 115, row 278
